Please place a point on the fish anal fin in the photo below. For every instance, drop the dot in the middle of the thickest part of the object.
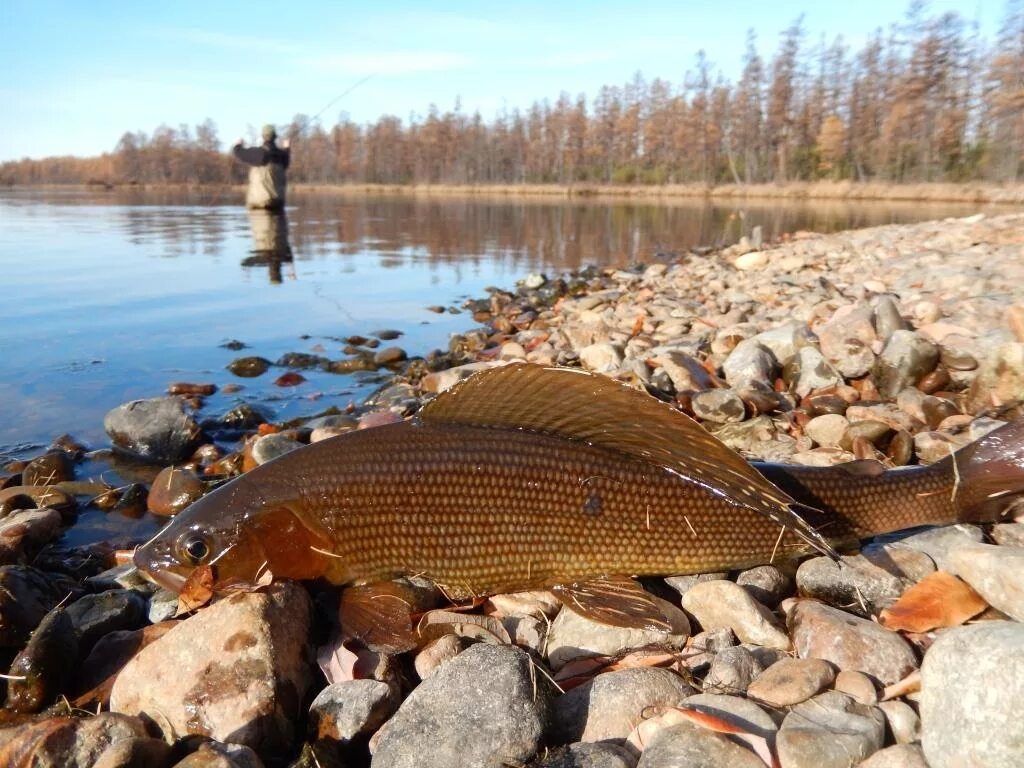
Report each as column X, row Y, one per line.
column 379, row 615
column 594, row 409
column 618, row 601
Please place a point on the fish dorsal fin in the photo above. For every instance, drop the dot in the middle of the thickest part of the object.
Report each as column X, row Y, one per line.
column 594, row 409
column 615, row 600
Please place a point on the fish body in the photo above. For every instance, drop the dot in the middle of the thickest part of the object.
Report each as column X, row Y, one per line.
column 527, row 477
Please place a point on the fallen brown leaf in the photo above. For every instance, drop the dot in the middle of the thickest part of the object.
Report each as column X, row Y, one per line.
column 938, row 600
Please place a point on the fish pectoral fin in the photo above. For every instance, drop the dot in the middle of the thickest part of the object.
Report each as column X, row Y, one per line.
column 616, row 600
column 379, row 615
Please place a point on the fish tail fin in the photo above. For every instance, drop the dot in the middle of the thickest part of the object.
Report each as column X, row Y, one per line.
column 988, row 474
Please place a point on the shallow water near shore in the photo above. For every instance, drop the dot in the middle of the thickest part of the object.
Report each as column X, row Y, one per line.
column 112, row 296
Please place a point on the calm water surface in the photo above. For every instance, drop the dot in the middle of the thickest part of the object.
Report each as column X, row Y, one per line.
column 112, row 296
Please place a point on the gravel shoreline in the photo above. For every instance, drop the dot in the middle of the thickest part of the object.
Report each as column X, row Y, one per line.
column 898, row 343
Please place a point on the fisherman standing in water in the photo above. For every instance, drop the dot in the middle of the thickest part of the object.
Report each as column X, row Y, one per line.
column 267, row 175
column 265, row 200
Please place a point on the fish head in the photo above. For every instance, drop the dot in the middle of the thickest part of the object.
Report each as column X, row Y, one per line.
column 237, row 534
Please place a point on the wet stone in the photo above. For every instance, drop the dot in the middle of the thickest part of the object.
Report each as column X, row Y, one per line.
column 156, row 430
column 173, row 490
column 387, row 334
column 26, row 595
column 93, row 616
column 300, row 360
column 24, row 533
column 612, row 704
column 244, row 417
column 488, row 702
column 389, row 356
column 49, row 469
column 41, row 670
column 249, row 367
column 216, row 754
column 105, row 740
column 269, row 447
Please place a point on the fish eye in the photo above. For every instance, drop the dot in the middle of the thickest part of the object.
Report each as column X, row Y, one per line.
column 194, row 547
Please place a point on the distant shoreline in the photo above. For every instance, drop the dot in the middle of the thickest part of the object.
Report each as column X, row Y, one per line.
column 792, row 192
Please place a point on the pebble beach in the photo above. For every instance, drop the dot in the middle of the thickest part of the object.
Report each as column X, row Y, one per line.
column 898, row 344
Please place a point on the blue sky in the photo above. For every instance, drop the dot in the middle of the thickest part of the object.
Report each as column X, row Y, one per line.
column 76, row 75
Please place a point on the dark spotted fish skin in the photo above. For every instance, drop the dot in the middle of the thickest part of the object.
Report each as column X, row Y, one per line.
column 862, row 504
column 484, row 511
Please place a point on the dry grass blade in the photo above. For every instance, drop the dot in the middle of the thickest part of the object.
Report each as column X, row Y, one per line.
column 667, row 716
column 434, row 624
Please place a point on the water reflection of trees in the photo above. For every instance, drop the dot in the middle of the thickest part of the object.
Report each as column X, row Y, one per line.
column 521, row 234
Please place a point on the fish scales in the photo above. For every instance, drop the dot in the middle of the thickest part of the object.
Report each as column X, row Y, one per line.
column 526, row 477
column 482, row 510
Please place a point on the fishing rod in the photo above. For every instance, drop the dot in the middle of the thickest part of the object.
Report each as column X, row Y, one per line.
column 336, row 99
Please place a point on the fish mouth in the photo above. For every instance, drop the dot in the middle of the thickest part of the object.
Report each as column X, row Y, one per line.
column 162, row 577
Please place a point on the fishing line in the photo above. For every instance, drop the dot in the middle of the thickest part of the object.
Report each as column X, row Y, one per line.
column 338, row 98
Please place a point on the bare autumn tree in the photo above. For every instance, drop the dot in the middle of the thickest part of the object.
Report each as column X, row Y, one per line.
column 923, row 100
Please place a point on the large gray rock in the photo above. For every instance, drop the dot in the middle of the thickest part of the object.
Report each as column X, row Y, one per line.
column 859, row 585
column 809, row 371
column 851, row 643
column 996, row 573
column 105, row 740
column 686, row 745
column 235, row 671
column 790, row 681
column 157, row 430
column 348, row 710
column 612, row 704
column 718, row 604
column 939, row 543
column 586, row 755
column 829, row 731
column 750, row 365
column 972, row 684
column 897, row 756
column 904, row 360
column 573, row 636
column 731, row 671
column 486, row 707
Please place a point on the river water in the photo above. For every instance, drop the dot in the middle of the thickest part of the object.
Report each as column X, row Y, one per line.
column 111, row 296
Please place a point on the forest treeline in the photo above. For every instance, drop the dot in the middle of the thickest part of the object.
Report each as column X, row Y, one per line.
column 926, row 100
